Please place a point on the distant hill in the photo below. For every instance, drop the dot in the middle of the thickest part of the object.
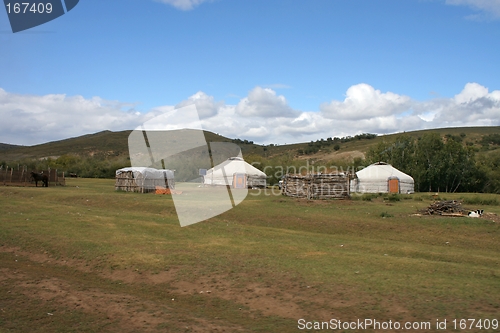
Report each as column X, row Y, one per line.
column 107, row 144
column 354, row 147
column 5, row 146
column 101, row 144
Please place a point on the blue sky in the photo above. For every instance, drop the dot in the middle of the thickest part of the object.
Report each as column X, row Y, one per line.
column 269, row 71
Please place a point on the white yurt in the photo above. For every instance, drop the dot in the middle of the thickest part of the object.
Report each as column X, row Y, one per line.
column 382, row 178
column 235, row 172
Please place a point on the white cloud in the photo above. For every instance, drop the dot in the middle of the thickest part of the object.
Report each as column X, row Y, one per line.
column 489, row 6
column 31, row 119
column 470, row 93
column 262, row 116
column 474, row 105
column 363, row 101
column 183, row 4
column 206, row 105
column 263, row 102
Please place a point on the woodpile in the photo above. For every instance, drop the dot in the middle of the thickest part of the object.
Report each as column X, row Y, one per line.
column 446, row 208
column 125, row 181
column 316, row 186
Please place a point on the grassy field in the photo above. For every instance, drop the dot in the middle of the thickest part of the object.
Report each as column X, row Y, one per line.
column 84, row 258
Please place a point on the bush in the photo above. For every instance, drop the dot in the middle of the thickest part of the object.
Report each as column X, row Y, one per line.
column 364, row 197
column 386, row 214
column 393, row 198
column 367, row 197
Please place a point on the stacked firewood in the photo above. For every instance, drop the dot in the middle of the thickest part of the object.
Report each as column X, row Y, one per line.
column 316, row 186
column 446, row 208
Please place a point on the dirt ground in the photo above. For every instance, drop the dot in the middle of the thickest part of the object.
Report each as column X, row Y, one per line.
column 61, row 294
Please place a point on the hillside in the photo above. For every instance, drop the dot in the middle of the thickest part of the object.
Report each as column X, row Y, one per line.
column 5, row 146
column 109, row 145
column 356, row 148
column 106, row 144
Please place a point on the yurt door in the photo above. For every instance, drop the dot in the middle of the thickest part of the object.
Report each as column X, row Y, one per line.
column 239, row 180
column 393, row 185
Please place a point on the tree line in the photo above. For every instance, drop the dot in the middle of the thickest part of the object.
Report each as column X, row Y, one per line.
column 444, row 164
column 440, row 163
column 87, row 167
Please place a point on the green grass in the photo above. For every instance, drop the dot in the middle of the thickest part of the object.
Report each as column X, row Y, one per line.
column 361, row 258
column 481, row 200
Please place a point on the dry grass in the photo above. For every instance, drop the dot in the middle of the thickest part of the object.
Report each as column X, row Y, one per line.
column 110, row 261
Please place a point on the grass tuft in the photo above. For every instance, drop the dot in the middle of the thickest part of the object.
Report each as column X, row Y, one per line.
column 386, row 214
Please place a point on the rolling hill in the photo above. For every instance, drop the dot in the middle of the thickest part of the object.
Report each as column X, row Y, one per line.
column 108, row 144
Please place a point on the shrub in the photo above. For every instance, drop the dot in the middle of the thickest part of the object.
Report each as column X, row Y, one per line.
column 367, row 197
column 393, row 198
column 386, row 214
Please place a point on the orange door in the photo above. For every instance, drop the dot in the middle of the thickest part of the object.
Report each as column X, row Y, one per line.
column 394, row 185
column 239, row 180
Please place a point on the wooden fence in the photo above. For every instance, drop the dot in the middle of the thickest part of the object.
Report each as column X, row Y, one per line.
column 22, row 177
column 316, row 186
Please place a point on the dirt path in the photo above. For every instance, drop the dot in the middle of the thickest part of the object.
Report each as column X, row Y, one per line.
column 44, row 294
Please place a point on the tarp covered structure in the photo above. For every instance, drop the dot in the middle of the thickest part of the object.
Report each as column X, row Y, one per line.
column 235, row 172
column 142, row 179
column 382, row 178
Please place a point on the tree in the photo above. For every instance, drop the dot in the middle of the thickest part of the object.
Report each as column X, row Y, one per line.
column 434, row 164
column 490, row 169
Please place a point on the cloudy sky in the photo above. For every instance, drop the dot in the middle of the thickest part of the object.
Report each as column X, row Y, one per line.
column 271, row 71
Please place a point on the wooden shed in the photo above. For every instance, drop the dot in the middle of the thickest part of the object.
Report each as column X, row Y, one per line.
column 316, row 186
column 143, row 180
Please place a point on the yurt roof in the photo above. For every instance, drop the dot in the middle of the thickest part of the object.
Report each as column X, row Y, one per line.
column 148, row 173
column 383, row 171
column 236, row 165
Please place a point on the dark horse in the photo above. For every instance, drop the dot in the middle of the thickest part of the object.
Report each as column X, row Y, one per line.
column 40, row 177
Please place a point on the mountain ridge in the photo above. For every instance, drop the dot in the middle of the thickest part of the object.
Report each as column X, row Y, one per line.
column 113, row 144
